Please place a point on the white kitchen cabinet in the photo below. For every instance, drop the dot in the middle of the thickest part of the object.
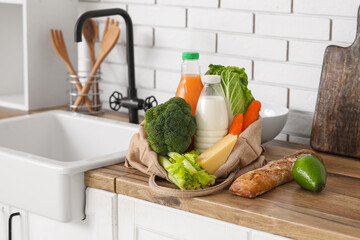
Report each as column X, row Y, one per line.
column 111, row 216
column 100, row 222
column 3, row 222
column 142, row 220
column 32, row 75
column 19, row 223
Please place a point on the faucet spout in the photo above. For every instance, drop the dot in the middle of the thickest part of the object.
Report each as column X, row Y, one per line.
column 132, row 93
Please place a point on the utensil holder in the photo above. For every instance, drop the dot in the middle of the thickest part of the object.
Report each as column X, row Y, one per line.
column 93, row 94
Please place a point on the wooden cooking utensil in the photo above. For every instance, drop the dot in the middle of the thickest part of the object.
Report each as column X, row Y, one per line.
column 91, row 34
column 108, row 23
column 336, row 125
column 109, row 41
column 58, row 43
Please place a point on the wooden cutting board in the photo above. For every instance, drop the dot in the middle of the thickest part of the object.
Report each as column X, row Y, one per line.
column 336, row 125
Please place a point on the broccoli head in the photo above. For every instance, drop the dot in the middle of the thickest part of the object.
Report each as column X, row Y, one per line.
column 170, row 126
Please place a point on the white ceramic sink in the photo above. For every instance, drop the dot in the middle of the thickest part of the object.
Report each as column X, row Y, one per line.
column 43, row 158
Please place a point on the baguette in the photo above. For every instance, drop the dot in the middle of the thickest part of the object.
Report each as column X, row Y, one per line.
column 273, row 174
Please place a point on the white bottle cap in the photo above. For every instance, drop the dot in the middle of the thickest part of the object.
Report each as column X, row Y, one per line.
column 211, row 79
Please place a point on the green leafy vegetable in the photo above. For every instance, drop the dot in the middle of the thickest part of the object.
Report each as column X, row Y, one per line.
column 170, row 126
column 184, row 172
column 234, row 85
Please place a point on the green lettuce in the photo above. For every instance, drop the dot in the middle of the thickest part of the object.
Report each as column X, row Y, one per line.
column 234, row 83
column 185, row 172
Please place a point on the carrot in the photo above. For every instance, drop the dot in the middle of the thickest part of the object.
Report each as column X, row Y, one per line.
column 251, row 114
column 237, row 124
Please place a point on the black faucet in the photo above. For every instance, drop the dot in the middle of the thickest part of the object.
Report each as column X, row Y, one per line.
column 116, row 99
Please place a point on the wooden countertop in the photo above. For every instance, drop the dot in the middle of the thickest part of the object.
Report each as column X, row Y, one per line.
column 286, row 210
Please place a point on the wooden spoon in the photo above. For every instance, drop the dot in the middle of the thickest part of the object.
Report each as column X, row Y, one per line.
column 109, row 41
column 91, row 34
column 58, row 43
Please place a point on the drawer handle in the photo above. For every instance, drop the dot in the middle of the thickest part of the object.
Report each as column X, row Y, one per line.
column 10, row 223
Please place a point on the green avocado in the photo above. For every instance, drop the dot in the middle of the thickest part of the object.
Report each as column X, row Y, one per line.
column 309, row 172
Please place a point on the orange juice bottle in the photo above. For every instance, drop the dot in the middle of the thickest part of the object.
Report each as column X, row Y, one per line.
column 190, row 85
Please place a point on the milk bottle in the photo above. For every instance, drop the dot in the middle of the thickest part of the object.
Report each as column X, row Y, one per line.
column 211, row 114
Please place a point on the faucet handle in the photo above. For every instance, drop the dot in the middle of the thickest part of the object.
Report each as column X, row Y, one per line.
column 149, row 103
column 115, row 100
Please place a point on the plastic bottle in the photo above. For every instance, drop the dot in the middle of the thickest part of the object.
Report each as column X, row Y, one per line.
column 211, row 114
column 190, row 85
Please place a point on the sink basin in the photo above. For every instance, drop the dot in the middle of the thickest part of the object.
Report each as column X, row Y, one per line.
column 43, row 158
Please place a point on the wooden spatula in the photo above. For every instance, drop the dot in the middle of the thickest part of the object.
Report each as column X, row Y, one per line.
column 58, row 43
column 109, row 41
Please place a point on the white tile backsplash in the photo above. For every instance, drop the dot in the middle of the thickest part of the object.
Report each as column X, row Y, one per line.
column 280, row 43
column 292, row 26
column 158, row 58
column 185, row 39
column 143, row 35
column 269, row 94
column 302, row 100
column 287, row 74
column 298, row 124
column 167, row 80
column 157, row 15
column 249, row 46
column 116, row 73
column 130, row 1
column 344, row 30
column 222, row 20
column 117, row 54
column 307, row 52
column 216, row 59
column 191, row 3
column 258, row 5
column 327, row 7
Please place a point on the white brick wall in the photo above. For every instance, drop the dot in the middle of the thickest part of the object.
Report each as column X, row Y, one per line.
column 327, row 7
column 344, row 30
column 293, row 26
column 167, row 80
column 143, row 35
column 219, row 19
column 303, row 100
column 190, row 3
column 280, row 43
column 287, row 74
column 157, row 58
column 207, row 59
column 268, row 93
column 307, row 52
column 185, row 39
column 157, row 15
column 249, row 46
column 258, row 5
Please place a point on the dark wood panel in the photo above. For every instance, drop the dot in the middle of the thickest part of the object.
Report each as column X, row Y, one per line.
column 336, row 125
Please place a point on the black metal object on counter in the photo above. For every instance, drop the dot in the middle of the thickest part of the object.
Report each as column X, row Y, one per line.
column 116, row 99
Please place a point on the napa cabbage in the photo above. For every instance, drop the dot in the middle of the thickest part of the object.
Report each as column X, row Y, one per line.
column 234, row 82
